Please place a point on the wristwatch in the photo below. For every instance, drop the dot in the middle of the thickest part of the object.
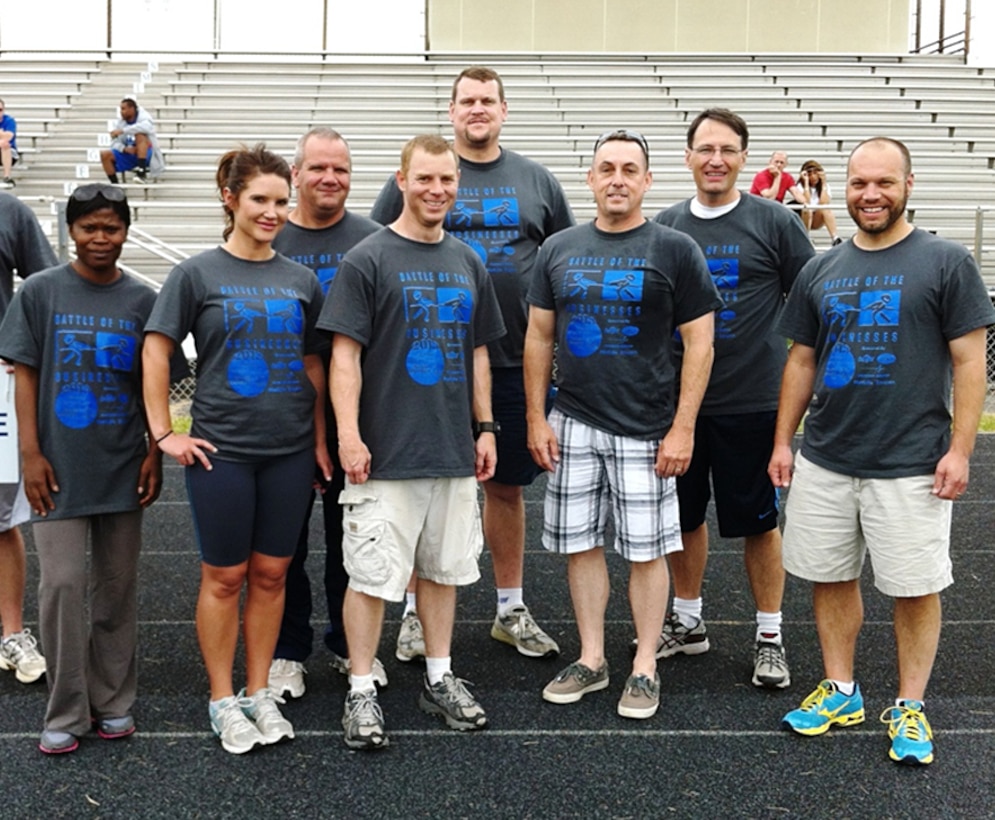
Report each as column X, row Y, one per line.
column 486, row 427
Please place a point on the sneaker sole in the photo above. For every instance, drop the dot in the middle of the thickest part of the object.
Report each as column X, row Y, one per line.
column 573, row 697
column 430, row 708
column 286, row 691
column 772, row 683
column 61, row 751
column 270, row 741
column 911, row 759
column 638, row 714
column 499, row 634
column 418, row 656
column 699, row 648
column 8, row 666
column 116, row 735
column 821, row 729
column 367, row 744
column 239, row 750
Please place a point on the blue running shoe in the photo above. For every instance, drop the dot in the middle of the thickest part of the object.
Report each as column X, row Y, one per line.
column 910, row 733
column 824, row 707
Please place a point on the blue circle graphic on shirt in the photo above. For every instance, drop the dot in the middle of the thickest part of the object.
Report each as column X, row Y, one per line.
column 425, row 362
column 248, row 373
column 887, row 358
column 76, row 406
column 478, row 248
column 840, row 367
column 583, row 336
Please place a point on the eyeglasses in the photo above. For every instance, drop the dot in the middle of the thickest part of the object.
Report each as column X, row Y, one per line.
column 625, row 135
column 726, row 151
column 92, row 191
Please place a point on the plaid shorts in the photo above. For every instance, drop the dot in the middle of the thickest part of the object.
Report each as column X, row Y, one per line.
column 597, row 469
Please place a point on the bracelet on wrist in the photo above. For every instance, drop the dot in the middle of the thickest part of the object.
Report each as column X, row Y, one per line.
column 164, row 436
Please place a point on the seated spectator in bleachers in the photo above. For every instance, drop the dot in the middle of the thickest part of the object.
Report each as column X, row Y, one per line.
column 815, row 191
column 773, row 182
column 135, row 146
column 8, row 145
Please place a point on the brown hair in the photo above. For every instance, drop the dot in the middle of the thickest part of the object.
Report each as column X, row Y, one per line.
column 726, row 117
column 430, row 144
column 239, row 166
column 482, row 74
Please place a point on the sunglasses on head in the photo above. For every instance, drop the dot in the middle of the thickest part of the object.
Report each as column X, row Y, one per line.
column 625, row 135
column 88, row 192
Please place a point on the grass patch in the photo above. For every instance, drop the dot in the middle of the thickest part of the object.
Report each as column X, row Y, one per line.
column 987, row 424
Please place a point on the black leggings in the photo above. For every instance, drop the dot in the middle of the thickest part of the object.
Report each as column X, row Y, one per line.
column 245, row 507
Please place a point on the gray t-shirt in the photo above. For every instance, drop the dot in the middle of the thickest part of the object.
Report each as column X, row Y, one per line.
column 754, row 253
column 419, row 310
column 85, row 341
column 504, row 210
column 321, row 249
column 619, row 297
column 23, row 246
column 880, row 323
column 253, row 323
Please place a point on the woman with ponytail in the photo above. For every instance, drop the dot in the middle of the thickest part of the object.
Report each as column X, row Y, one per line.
column 258, row 430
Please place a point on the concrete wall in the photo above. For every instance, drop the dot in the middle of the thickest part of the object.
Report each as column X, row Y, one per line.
column 880, row 26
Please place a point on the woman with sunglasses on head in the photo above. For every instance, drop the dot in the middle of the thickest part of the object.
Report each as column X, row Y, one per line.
column 75, row 334
column 257, row 435
column 815, row 191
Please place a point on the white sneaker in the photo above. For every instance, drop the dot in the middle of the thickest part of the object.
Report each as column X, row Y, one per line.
column 287, row 677
column 237, row 733
column 410, row 639
column 341, row 665
column 20, row 653
column 262, row 710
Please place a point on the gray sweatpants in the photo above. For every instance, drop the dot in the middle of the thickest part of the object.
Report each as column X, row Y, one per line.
column 91, row 661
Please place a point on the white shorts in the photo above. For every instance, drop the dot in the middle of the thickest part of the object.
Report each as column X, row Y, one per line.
column 390, row 528
column 834, row 520
column 597, row 469
column 14, row 507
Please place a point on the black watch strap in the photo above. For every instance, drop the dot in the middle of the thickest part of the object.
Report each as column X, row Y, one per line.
column 486, row 427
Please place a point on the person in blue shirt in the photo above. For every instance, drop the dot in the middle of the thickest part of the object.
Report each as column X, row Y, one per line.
column 8, row 145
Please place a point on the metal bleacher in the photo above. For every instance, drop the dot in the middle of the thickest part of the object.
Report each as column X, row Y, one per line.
column 810, row 107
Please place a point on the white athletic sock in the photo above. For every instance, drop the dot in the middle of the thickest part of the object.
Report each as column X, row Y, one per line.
column 846, row 687
column 508, row 598
column 436, row 668
column 769, row 626
column 687, row 610
column 362, row 683
column 410, row 601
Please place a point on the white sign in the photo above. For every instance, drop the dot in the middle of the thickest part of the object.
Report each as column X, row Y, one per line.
column 82, row 172
column 93, row 154
column 10, row 472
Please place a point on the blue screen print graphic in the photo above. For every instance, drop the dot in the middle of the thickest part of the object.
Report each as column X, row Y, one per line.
column 585, row 334
column 725, row 275
column 861, row 351
column 266, row 333
column 436, row 317
column 489, row 225
column 86, row 362
column 325, row 277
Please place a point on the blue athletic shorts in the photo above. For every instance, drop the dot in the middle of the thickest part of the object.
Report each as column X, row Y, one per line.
column 735, row 450
column 126, row 162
